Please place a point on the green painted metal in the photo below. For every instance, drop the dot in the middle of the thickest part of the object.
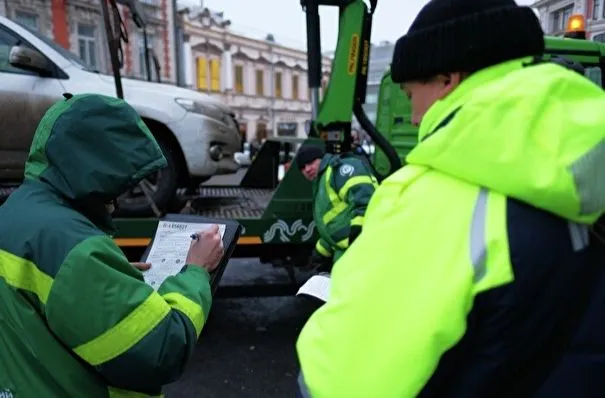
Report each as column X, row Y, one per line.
column 337, row 104
column 393, row 120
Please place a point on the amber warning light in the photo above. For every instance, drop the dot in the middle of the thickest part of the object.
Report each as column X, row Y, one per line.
column 576, row 27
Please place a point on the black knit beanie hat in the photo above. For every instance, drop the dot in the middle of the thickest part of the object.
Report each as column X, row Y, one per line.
column 465, row 36
column 308, row 153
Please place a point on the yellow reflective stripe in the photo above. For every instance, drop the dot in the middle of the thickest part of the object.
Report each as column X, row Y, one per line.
column 23, row 274
column 338, row 206
column 126, row 333
column 343, row 244
column 357, row 221
column 324, row 251
column 191, row 309
column 118, row 393
column 353, row 181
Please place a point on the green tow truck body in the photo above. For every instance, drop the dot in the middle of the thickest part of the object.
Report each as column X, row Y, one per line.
column 277, row 215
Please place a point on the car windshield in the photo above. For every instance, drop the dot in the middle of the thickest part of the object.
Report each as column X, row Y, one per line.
column 73, row 58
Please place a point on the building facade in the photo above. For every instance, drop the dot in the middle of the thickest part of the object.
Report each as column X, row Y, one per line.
column 555, row 13
column 264, row 82
column 380, row 61
column 77, row 25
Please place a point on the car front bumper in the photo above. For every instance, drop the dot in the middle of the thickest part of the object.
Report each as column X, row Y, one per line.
column 208, row 145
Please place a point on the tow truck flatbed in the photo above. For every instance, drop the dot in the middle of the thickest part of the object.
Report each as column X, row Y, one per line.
column 276, row 215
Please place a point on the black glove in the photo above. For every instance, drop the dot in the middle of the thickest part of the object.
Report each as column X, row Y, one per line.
column 354, row 233
column 319, row 262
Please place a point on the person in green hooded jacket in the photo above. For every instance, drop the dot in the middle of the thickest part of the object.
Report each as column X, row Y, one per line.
column 76, row 318
column 342, row 188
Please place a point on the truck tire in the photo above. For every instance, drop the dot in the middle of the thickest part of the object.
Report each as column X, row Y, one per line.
column 134, row 203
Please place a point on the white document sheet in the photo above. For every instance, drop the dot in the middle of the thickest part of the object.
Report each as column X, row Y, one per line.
column 317, row 286
column 169, row 249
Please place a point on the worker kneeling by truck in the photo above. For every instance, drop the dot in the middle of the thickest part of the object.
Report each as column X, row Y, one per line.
column 342, row 188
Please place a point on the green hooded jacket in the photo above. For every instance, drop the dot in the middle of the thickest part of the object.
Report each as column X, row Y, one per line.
column 341, row 192
column 76, row 318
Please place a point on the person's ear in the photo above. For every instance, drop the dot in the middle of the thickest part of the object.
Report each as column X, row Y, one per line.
column 449, row 82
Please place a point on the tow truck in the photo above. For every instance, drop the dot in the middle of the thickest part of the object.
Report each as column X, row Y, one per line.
column 277, row 215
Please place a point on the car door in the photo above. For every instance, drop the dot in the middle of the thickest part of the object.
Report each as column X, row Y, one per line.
column 24, row 98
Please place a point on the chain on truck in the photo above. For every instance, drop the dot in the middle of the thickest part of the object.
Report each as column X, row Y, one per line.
column 277, row 213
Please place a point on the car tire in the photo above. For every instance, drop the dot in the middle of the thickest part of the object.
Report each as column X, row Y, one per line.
column 134, row 203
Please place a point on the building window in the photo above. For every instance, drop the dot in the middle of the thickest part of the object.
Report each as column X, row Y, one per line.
column 287, row 129
column 239, row 79
column 278, row 90
column 371, row 98
column 560, row 17
column 215, row 75
column 27, row 19
column 260, row 82
column 150, row 47
column 600, row 37
column 202, row 74
column 87, row 44
column 595, row 9
column 295, row 85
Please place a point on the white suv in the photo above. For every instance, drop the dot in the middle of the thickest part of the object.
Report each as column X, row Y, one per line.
column 199, row 135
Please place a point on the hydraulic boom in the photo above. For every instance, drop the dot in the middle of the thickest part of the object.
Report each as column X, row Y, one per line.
column 346, row 90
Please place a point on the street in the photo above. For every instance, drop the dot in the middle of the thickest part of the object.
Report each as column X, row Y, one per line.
column 247, row 346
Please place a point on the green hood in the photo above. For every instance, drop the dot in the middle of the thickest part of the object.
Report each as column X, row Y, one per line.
column 532, row 133
column 92, row 146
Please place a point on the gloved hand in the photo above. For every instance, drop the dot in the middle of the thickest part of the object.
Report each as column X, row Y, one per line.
column 354, row 233
column 319, row 262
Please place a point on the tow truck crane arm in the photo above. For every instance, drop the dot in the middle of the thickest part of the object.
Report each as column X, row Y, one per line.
column 345, row 94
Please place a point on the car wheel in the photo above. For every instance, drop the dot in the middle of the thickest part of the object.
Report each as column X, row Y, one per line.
column 161, row 186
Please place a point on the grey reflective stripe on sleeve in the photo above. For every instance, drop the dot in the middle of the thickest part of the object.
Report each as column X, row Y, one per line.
column 579, row 236
column 302, row 387
column 478, row 245
column 587, row 172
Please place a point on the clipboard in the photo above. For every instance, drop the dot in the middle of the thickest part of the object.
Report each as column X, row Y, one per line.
column 230, row 237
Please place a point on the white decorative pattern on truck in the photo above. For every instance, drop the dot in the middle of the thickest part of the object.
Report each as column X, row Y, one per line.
column 286, row 233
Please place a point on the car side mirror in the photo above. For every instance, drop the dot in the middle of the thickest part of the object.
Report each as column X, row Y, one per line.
column 27, row 58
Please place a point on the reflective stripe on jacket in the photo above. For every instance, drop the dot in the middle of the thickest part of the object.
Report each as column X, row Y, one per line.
column 473, row 256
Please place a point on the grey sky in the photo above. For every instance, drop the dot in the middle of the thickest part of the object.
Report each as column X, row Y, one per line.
column 286, row 20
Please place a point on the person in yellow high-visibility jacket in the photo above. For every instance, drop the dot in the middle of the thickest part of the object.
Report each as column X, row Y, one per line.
column 475, row 257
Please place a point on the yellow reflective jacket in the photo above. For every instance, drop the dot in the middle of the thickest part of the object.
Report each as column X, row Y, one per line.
column 435, row 269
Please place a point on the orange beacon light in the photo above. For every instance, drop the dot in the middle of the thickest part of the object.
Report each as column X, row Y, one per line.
column 576, row 27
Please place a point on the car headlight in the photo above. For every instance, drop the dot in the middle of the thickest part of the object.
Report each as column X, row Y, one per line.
column 200, row 108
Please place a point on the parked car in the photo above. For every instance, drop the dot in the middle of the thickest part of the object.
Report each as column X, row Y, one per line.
column 198, row 134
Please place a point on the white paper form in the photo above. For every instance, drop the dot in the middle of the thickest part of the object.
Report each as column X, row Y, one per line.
column 317, row 286
column 169, row 250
